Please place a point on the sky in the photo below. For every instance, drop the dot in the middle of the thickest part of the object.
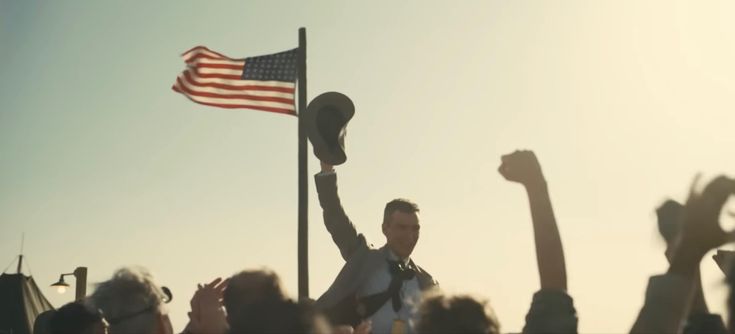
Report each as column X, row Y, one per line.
column 102, row 165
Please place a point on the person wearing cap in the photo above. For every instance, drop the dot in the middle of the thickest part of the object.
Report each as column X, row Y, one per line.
column 380, row 285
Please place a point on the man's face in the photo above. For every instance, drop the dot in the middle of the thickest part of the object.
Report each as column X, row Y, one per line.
column 402, row 232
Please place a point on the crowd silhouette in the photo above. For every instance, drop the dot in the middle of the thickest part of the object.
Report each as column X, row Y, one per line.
column 381, row 290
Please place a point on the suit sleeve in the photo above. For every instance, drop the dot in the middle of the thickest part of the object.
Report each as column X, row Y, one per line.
column 343, row 232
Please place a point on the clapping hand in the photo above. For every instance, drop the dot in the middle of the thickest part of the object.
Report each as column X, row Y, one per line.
column 700, row 229
column 207, row 314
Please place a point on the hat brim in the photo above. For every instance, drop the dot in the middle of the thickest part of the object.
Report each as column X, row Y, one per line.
column 332, row 154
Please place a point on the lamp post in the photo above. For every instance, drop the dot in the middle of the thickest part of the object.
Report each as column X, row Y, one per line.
column 80, row 274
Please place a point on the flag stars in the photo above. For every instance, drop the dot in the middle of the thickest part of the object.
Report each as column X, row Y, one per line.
column 278, row 67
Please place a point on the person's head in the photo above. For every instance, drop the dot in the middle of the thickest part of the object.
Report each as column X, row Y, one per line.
column 41, row 324
column 278, row 316
column 456, row 314
column 132, row 303
column 78, row 318
column 401, row 226
column 252, row 287
column 670, row 217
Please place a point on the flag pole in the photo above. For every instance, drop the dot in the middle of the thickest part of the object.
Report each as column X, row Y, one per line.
column 303, row 229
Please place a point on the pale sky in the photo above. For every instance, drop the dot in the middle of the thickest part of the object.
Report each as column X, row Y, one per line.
column 102, row 165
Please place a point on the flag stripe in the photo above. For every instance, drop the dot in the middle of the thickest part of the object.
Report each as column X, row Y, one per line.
column 198, row 61
column 232, row 99
column 198, row 47
column 204, row 51
column 204, row 57
column 218, row 71
column 276, row 86
column 253, row 89
column 218, row 93
column 234, row 104
column 218, row 76
column 227, row 66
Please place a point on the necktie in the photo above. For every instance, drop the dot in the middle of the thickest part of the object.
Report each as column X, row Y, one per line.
column 400, row 272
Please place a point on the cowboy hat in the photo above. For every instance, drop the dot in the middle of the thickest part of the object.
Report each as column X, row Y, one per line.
column 326, row 120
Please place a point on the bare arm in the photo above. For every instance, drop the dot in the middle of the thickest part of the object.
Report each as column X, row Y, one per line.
column 523, row 167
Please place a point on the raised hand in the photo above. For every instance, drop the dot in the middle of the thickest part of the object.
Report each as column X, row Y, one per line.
column 700, row 229
column 207, row 314
column 524, row 168
column 521, row 167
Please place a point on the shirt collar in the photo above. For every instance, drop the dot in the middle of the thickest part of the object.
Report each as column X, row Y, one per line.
column 393, row 257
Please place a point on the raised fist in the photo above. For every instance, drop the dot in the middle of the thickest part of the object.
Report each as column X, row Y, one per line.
column 521, row 167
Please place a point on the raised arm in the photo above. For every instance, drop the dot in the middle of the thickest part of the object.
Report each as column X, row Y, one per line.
column 338, row 224
column 670, row 217
column 669, row 297
column 524, row 168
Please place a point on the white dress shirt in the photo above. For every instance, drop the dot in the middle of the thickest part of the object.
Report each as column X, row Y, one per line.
column 382, row 320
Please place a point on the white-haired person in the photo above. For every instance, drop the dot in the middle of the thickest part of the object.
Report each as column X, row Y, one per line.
column 133, row 303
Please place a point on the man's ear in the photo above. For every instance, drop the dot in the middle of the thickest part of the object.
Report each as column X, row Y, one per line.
column 385, row 229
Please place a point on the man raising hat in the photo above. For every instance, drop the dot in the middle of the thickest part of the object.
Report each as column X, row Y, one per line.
column 380, row 285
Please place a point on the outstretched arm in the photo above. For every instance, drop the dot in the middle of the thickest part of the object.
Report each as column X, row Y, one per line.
column 338, row 224
column 524, row 168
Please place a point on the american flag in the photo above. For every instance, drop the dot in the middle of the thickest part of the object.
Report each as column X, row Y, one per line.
column 263, row 83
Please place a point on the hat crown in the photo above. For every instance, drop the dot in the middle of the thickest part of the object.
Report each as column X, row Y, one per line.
column 326, row 121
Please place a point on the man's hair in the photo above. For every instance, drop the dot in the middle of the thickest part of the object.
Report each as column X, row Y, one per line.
column 455, row 314
column 278, row 316
column 398, row 204
column 130, row 301
column 74, row 317
column 252, row 287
